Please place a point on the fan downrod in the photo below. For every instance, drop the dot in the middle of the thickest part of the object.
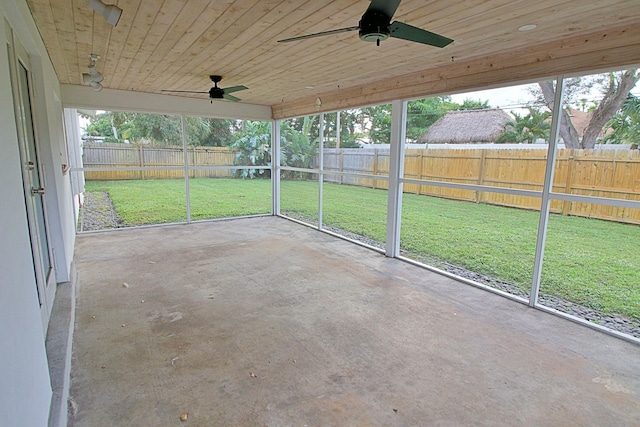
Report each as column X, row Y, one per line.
column 215, row 92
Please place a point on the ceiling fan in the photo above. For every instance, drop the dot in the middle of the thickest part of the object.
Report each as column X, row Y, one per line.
column 376, row 26
column 216, row 92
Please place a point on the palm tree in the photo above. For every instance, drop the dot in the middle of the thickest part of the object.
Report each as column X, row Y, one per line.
column 527, row 129
column 625, row 123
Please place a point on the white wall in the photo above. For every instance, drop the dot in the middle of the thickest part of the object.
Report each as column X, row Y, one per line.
column 51, row 135
column 25, row 390
column 72, row 126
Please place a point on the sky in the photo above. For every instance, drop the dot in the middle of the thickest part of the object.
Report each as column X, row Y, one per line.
column 513, row 98
column 509, row 98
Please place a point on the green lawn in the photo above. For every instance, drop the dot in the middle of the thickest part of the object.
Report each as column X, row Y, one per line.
column 157, row 201
column 591, row 262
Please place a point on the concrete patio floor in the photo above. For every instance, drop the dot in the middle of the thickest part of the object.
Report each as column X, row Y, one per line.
column 264, row 322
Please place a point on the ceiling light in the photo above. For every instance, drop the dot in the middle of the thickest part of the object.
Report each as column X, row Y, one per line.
column 528, row 27
column 94, row 77
column 96, row 86
column 110, row 12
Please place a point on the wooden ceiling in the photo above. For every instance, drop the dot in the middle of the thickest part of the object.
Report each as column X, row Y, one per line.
column 171, row 44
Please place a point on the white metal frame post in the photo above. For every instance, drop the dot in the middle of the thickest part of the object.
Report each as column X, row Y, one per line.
column 275, row 167
column 183, row 121
column 338, row 129
column 320, row 169
column 396, row 172
column 546, row 190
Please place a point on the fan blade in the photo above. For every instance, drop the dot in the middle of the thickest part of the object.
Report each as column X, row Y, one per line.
column 324, row 33
column 234, row 89
column 387, row 7
column 404, row 31
column 230, row 98
column 181, row 91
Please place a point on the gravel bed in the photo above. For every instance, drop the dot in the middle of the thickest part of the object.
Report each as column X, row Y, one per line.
column 615, row 322
column 97, row 212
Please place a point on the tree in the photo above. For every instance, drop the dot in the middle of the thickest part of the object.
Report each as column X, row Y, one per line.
column 422, row 113
column 210, row 132
column 376, row 120
column 253, row 148
column 527, row 129
column 615, row 87
column 349, row 134
column 349, row 120
column 100, row 125
column 119, row 126
column 198, row 130
column 296, row 147
column 161, row 129
column 474, row 104
column 625, row 125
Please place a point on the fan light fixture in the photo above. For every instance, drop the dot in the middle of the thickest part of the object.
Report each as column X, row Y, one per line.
column 110, row 12
column 94, row 77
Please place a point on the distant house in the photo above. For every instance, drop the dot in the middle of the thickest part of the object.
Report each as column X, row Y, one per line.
column 467, row 127
column 580, row 121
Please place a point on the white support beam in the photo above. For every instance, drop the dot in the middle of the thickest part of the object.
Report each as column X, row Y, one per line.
column 183, row 134
column 320, row 168
column 546, row 191
column 396, row 172
column 607, row 201
column 338, row 129
column 74, row 96
column 275, row 167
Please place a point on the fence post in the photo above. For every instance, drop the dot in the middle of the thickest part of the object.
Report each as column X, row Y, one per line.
column 420, row 158
column 481, row 175
column 141, row 157
column 566, row 205
column 195, row 155
column 375, row 167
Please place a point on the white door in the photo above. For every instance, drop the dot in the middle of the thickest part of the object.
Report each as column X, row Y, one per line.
column 32, row 177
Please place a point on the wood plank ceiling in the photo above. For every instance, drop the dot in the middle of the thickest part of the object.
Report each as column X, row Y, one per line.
column 171, row 44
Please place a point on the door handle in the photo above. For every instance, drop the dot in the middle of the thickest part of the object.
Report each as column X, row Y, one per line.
column 35, row 191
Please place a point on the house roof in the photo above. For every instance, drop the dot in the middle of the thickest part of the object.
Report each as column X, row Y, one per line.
column 467, row 126
column 177, row 44
column 580, row 120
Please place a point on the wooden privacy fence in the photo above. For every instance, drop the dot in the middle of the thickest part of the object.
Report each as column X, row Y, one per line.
column 128, row 155
column 600, row 173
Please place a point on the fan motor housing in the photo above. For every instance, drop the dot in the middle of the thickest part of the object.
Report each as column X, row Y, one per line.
column 216, row 93
column 374, row 26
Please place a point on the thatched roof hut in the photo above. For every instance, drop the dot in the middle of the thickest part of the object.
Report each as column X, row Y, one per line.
column 467, row 127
